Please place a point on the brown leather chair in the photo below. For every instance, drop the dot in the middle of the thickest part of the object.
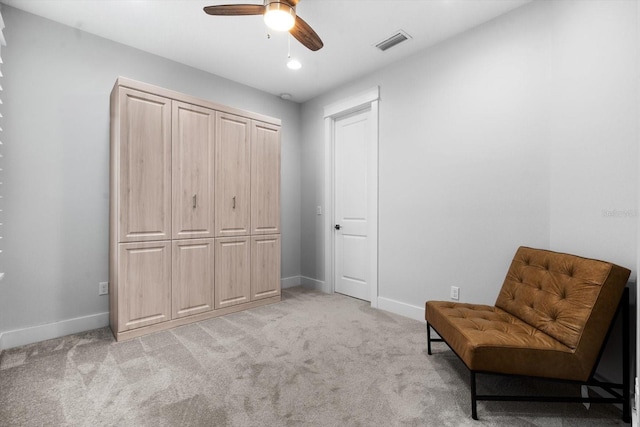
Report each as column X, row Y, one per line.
column 551, row 320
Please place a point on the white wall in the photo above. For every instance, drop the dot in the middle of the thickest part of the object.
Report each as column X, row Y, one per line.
column 463, row 162
column 519, row 132
column 56, row 84
column 594, row 129
column 594, row 135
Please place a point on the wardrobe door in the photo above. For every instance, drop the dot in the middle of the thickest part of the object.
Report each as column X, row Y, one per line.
column 144, row 284
column 265, row 266
column 193, row 130
column 144, row 167
column 192, row 273
column 265, row 178
column 232, row 271
column 232, row 175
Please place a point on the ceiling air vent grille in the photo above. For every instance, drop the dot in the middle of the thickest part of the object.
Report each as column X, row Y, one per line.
column 392, row 41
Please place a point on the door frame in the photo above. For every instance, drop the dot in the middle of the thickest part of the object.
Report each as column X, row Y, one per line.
column 332, row 112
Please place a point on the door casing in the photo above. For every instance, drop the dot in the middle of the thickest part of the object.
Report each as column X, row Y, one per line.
column 368, row 99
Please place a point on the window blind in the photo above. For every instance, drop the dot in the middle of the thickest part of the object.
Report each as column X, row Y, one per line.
column 2, row 43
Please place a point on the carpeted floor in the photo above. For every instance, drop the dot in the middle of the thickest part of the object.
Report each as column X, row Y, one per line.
column 313, row 359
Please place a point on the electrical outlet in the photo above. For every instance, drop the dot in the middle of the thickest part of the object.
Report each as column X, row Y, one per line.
column 103, row 288
column 318, row 210
column 455, row 293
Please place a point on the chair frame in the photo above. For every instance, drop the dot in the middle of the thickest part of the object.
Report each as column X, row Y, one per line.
column 622, row 397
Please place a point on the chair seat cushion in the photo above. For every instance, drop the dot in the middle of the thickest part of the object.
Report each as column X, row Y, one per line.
column 488, row 339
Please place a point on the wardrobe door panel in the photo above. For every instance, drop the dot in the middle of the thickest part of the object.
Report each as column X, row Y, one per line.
column 265, row 178
column 232, row 176
column 144, row 284
column 232, row 271
column 265, row 266
column 192, row 285
column 144, row 169
column 193, row 130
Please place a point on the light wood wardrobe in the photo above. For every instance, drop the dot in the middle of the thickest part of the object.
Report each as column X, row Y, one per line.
column 194, row 210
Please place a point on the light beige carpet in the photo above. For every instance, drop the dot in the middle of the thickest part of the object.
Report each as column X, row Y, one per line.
column 312, row 360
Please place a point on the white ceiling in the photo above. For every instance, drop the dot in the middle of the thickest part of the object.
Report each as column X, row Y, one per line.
column 238, row 48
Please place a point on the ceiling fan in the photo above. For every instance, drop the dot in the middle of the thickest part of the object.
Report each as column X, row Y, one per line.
column 279, row 15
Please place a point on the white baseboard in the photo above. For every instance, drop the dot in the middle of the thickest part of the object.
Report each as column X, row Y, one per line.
column 401, row 308
column 290, row 282
column 18, row 337
column 396, row 307
column 307, row 282
column 48, row 331
column 318, row 285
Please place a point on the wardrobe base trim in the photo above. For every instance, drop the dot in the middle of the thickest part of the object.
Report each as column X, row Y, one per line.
column 138, row 332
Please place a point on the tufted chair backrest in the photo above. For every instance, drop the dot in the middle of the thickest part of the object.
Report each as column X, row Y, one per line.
column 570, row 298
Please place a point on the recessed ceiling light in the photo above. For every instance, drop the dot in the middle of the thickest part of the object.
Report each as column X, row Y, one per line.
column 294, row 64
column 286, row 96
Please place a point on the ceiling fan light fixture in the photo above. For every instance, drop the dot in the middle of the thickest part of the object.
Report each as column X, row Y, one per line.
column 279, row 16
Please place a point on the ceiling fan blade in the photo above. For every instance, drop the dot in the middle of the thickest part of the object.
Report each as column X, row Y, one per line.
column 305, row 35
column 235, row 9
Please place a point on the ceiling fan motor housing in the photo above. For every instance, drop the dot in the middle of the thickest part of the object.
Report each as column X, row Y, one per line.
column 289, row 3
column 279, row 15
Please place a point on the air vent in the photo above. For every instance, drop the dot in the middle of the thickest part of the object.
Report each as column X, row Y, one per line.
column 394, row 40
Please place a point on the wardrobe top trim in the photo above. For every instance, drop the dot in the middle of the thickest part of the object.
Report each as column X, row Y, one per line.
column 177, row 96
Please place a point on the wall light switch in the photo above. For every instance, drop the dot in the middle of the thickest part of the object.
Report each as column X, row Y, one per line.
column 318, row 210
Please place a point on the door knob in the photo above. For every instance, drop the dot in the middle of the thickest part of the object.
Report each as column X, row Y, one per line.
column 337, row 227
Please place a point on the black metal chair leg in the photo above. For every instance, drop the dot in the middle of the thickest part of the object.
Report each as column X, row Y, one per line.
column 617, row 397
column 474, row 411
column 626, row 368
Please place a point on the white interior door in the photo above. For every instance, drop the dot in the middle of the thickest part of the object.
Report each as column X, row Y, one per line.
column 352, row 150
